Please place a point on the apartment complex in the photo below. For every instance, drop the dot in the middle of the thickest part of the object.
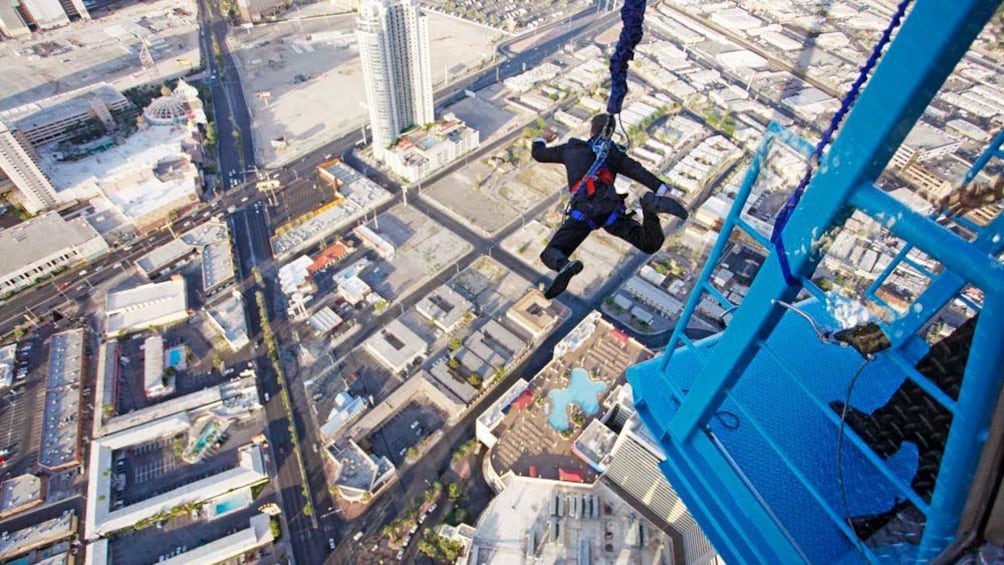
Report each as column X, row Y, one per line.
column 394, row 48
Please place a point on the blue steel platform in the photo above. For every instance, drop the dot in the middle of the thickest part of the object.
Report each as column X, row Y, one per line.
column 778, row 413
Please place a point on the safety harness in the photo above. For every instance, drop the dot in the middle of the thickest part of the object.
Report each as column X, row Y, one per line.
column 597, row 172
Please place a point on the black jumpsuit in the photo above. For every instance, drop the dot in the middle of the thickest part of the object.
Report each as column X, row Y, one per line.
column 578, row 156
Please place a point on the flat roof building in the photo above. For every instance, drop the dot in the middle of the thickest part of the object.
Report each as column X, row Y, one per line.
column 7, row 364
column 653, row 296
column 20, row 493
column 144, row 306
column 42, row 246
column 58, row 118
column 60, row 446
column 534, row 314
column 396, row 346
column 325, row 320
column 257, row 534
column 39, row 535
column 346, row 409
column 154, row 385
column 383, row 247
column 444, row 307
column 357, row 473
column 924, row 142
column 227, row 315
column 420, row 152
column 358, row 196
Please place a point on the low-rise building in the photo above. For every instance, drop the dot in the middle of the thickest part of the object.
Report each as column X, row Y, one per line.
column 396, row 346
column 325, row 320
column 353, row 290
column 923, row 143
column 154, row 377
column 534, row 314
column 444, row 307
column 60, row 445
column 423, row 151
column 20, row 493
column 257, row 534
column 42, row 534
column 653, row 296
column 59, row 118
column 39, row 248
column 227, row 316
column 145, row 306
column 357, row 474
column 346, row 409
column 384, row 248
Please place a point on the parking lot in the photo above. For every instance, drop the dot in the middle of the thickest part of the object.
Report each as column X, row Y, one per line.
column 156, row 467
column 510, row 15
column 406, row 429
column 21, row 409
column 198, row 374
column 182, row 533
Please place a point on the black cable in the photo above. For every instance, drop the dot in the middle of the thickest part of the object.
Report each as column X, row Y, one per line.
column 840, row 442
column 728, row 420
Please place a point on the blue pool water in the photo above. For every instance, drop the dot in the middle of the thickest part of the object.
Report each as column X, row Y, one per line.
column 581, row 390
column 231, row 503
column 204, row 438
column 175, row 356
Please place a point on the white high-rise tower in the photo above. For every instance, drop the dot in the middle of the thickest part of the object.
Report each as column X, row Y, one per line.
column 18, row 164
column 394, row 49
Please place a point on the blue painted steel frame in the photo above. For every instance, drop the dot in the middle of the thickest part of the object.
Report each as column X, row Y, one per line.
column 933, row 39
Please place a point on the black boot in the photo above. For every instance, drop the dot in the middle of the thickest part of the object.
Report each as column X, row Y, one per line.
column 663, row 205
column 881, row 441
column 562, row 279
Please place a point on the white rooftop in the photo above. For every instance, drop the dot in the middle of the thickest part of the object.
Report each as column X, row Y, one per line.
column 126, row 174
column 145, row 305
column 19, row 491
column 257, row 534
column 41, row 237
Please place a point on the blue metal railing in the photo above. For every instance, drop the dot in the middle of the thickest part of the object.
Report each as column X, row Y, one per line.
column 932, row 40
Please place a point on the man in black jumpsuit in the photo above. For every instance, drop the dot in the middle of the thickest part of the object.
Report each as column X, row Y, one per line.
column 596, row 204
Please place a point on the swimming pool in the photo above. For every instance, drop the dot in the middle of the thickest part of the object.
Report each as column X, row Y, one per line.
column 230, row 503
column 176, row 357
column 581, row 390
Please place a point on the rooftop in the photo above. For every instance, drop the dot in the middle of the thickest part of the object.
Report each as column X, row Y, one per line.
column 539, row 521
column 19, row 493
column 357, row 469
column 527, row 437
column 396, row 345
column 60, row 431
column 41, row 237
column 257, row 534
column 444, row 306
column 150, row 170
column 228, row 316
column 210, row 232
column 62, row 106
column 325, row 320
column 38, row 535
column 146, row 305
column 925, row 137
column 360, row 196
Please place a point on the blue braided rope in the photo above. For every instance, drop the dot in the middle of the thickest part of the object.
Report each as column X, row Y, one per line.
column 845, row 106
column 632, row 18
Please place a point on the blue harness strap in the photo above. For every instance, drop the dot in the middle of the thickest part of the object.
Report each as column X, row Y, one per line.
column 578, row 216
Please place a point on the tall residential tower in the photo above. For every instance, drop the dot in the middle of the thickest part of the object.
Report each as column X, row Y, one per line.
column 394, row 48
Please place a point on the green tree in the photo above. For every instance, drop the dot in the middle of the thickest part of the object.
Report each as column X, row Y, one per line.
column 455, row 344
column 474, row 380
column 453, row 363
column 412, row 453
column 453, row 492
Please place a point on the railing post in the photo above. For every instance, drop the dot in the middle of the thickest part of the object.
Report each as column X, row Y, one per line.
column 932, row 40
column 981, row 387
